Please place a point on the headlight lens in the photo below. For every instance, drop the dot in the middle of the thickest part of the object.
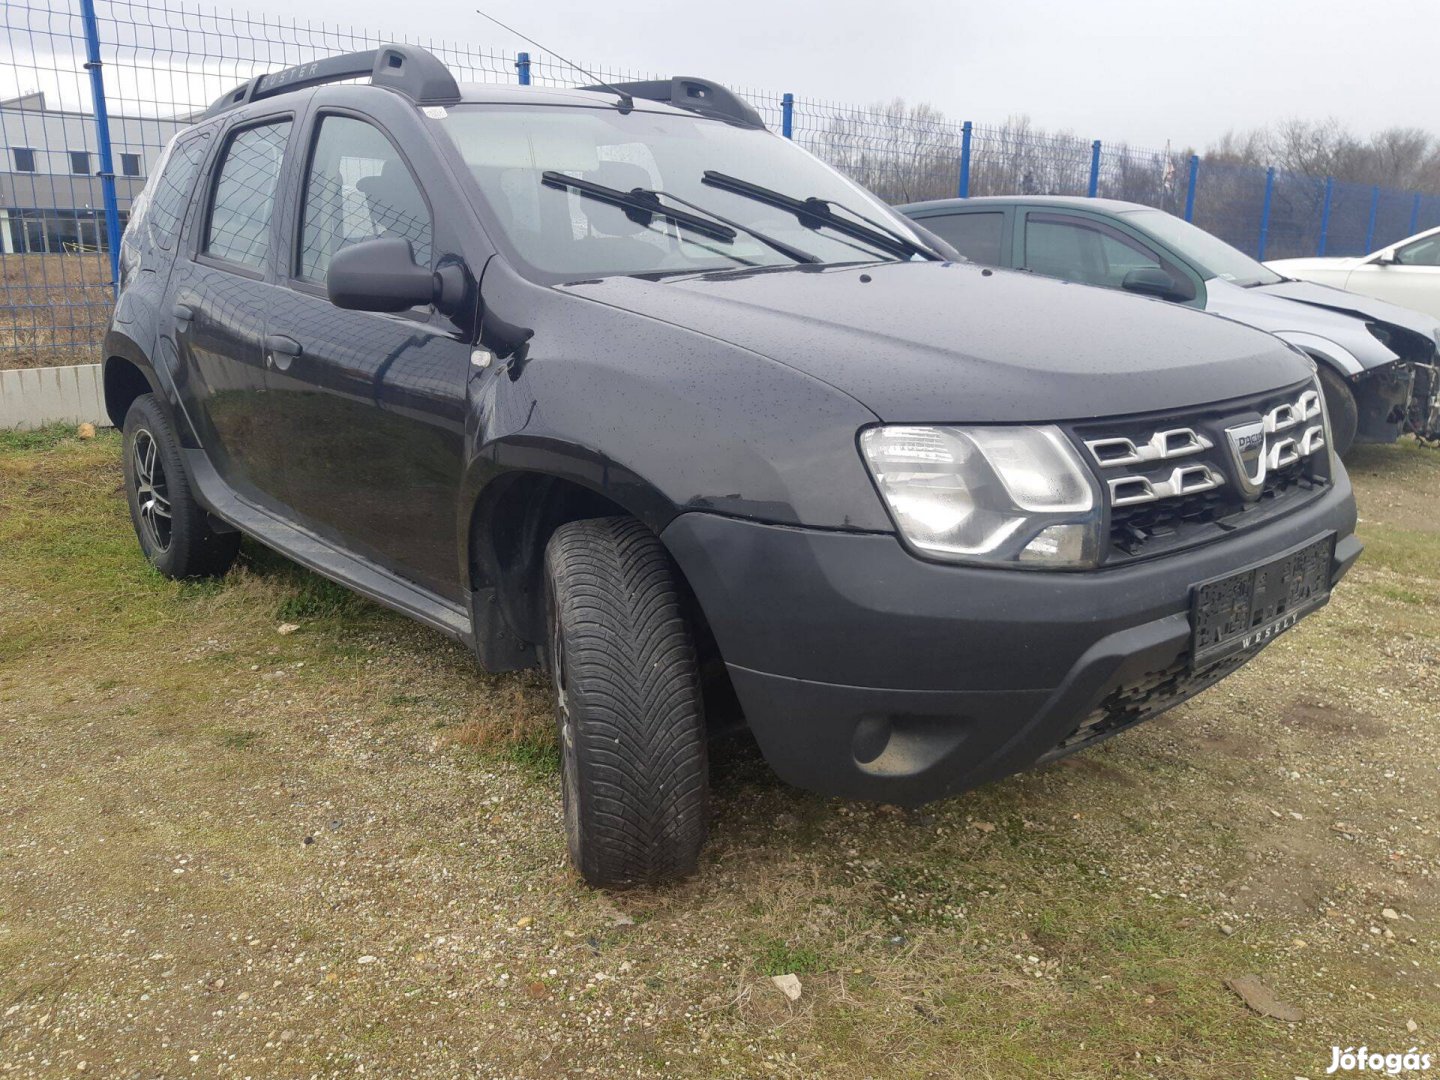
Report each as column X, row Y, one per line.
column 1008, row 496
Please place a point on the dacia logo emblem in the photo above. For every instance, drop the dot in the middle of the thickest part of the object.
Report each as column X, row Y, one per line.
column 1247, row 447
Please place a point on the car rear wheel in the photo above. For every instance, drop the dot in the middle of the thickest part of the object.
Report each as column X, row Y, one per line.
column 174, row 530
column 1340, row 404
column 628, row 705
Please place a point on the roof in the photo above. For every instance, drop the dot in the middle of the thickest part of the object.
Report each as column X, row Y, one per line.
column 1076, row 202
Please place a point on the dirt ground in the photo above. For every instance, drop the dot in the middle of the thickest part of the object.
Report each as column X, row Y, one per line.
column 225, row 851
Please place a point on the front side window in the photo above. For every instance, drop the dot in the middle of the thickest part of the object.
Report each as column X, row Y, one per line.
column 357, row 188
column 557, row 231
column 976, row 236
column 1421, row 253
column 244, row 195
column 1090, row 253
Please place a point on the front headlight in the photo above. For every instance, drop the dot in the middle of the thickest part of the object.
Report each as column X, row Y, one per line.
column 997, row 496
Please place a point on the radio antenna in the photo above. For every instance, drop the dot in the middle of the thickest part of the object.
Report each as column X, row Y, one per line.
column 626, row 101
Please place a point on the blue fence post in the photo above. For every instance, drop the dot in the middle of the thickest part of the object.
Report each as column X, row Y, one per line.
column 102, row 134
column 787, row 116
column 1094, row 169
column 522, row 65
column 1190, row 191
column 1374, row 209
column 1414, row 216
column 1325, row 214
column 1265, row 211
column 965, row 131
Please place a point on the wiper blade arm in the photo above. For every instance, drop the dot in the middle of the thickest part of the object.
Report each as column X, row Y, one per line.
column 814, row 213
column 640, row 206
column 769, row 241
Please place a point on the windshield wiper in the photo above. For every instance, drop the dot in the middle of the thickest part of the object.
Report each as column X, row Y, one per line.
column 815, row 213
column 640, row 206
column 769, row 241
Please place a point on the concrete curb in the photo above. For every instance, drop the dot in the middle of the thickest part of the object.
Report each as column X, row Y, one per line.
column 33, row 397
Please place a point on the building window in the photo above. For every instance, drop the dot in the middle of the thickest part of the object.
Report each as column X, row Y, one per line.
column 24, row 159
column 80, row 162
column 129, row 164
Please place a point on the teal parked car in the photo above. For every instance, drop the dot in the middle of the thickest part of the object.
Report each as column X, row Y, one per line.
column 1377, row 361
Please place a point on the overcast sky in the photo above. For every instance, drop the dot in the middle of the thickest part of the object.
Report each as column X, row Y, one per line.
column 1110, row 69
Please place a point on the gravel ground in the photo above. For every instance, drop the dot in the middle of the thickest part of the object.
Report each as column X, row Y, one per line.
column 227, row 851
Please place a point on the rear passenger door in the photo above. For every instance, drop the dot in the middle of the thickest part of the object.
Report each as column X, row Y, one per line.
column 220, row 292
column 370, row 407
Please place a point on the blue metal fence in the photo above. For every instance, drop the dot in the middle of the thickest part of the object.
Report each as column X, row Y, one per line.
column 95, row 88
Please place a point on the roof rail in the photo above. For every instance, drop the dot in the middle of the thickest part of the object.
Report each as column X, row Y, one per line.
column 694, row 95
column 417, row 74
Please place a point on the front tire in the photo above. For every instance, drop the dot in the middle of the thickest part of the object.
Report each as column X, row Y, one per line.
column 1340, row 404
column 628, row 705
column 173, row 528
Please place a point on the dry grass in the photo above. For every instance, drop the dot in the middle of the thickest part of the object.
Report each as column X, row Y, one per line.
column 54, row 309
column 228, row 852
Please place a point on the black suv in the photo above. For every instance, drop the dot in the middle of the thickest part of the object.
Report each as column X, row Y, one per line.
column 614, row 381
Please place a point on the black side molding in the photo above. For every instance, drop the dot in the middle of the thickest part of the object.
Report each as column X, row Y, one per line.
column 694, row 95
column 413, row 72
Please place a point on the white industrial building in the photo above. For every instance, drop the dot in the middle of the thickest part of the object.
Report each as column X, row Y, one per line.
column 50, row 196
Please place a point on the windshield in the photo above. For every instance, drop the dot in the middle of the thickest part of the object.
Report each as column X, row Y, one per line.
column 1209, row 254
column 560, row 231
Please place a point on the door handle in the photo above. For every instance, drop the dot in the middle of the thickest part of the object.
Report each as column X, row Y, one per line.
column 280, row 350
column 183, row 314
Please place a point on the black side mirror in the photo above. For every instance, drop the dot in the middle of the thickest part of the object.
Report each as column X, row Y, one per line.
column 380, row 275
column 1151, row 281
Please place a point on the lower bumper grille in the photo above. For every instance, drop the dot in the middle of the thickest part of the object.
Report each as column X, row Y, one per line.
column 1157, row 692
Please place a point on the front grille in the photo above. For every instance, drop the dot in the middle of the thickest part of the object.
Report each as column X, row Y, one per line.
column 1130, row 703
column 1176, row 479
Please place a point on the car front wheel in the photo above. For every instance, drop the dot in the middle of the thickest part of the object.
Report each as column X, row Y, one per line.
column 628, row 705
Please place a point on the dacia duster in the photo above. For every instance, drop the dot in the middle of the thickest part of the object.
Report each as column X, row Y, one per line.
column 614, row 381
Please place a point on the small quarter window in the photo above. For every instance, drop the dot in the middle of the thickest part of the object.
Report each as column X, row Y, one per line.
column 168, row 194
column 244, row 198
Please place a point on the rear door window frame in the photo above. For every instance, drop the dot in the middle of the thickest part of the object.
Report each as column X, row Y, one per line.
column 199, row 253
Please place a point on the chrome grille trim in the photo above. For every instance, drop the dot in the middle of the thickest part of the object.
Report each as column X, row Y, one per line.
column 1158, row 448
column 1184, row 480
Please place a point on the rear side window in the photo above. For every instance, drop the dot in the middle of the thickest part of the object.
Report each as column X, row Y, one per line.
column 170, row 193
column 358, row 188
column 976, row 236
column 244, row 198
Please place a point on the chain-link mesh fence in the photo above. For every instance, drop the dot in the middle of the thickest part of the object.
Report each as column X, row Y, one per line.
column 162, row 63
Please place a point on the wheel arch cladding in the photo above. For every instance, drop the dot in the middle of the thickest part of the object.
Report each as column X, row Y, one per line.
column 124, row 381
column 510, row 524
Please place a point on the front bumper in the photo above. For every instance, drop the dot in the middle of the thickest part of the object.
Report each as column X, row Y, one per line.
column 866, row 672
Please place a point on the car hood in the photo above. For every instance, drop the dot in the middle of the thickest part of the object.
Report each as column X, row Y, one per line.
column 1287, row 267
column 1304, row 307
column 950, row 341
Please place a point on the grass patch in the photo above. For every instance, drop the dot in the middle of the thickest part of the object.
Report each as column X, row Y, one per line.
column 778, row 957
column 42, row 438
